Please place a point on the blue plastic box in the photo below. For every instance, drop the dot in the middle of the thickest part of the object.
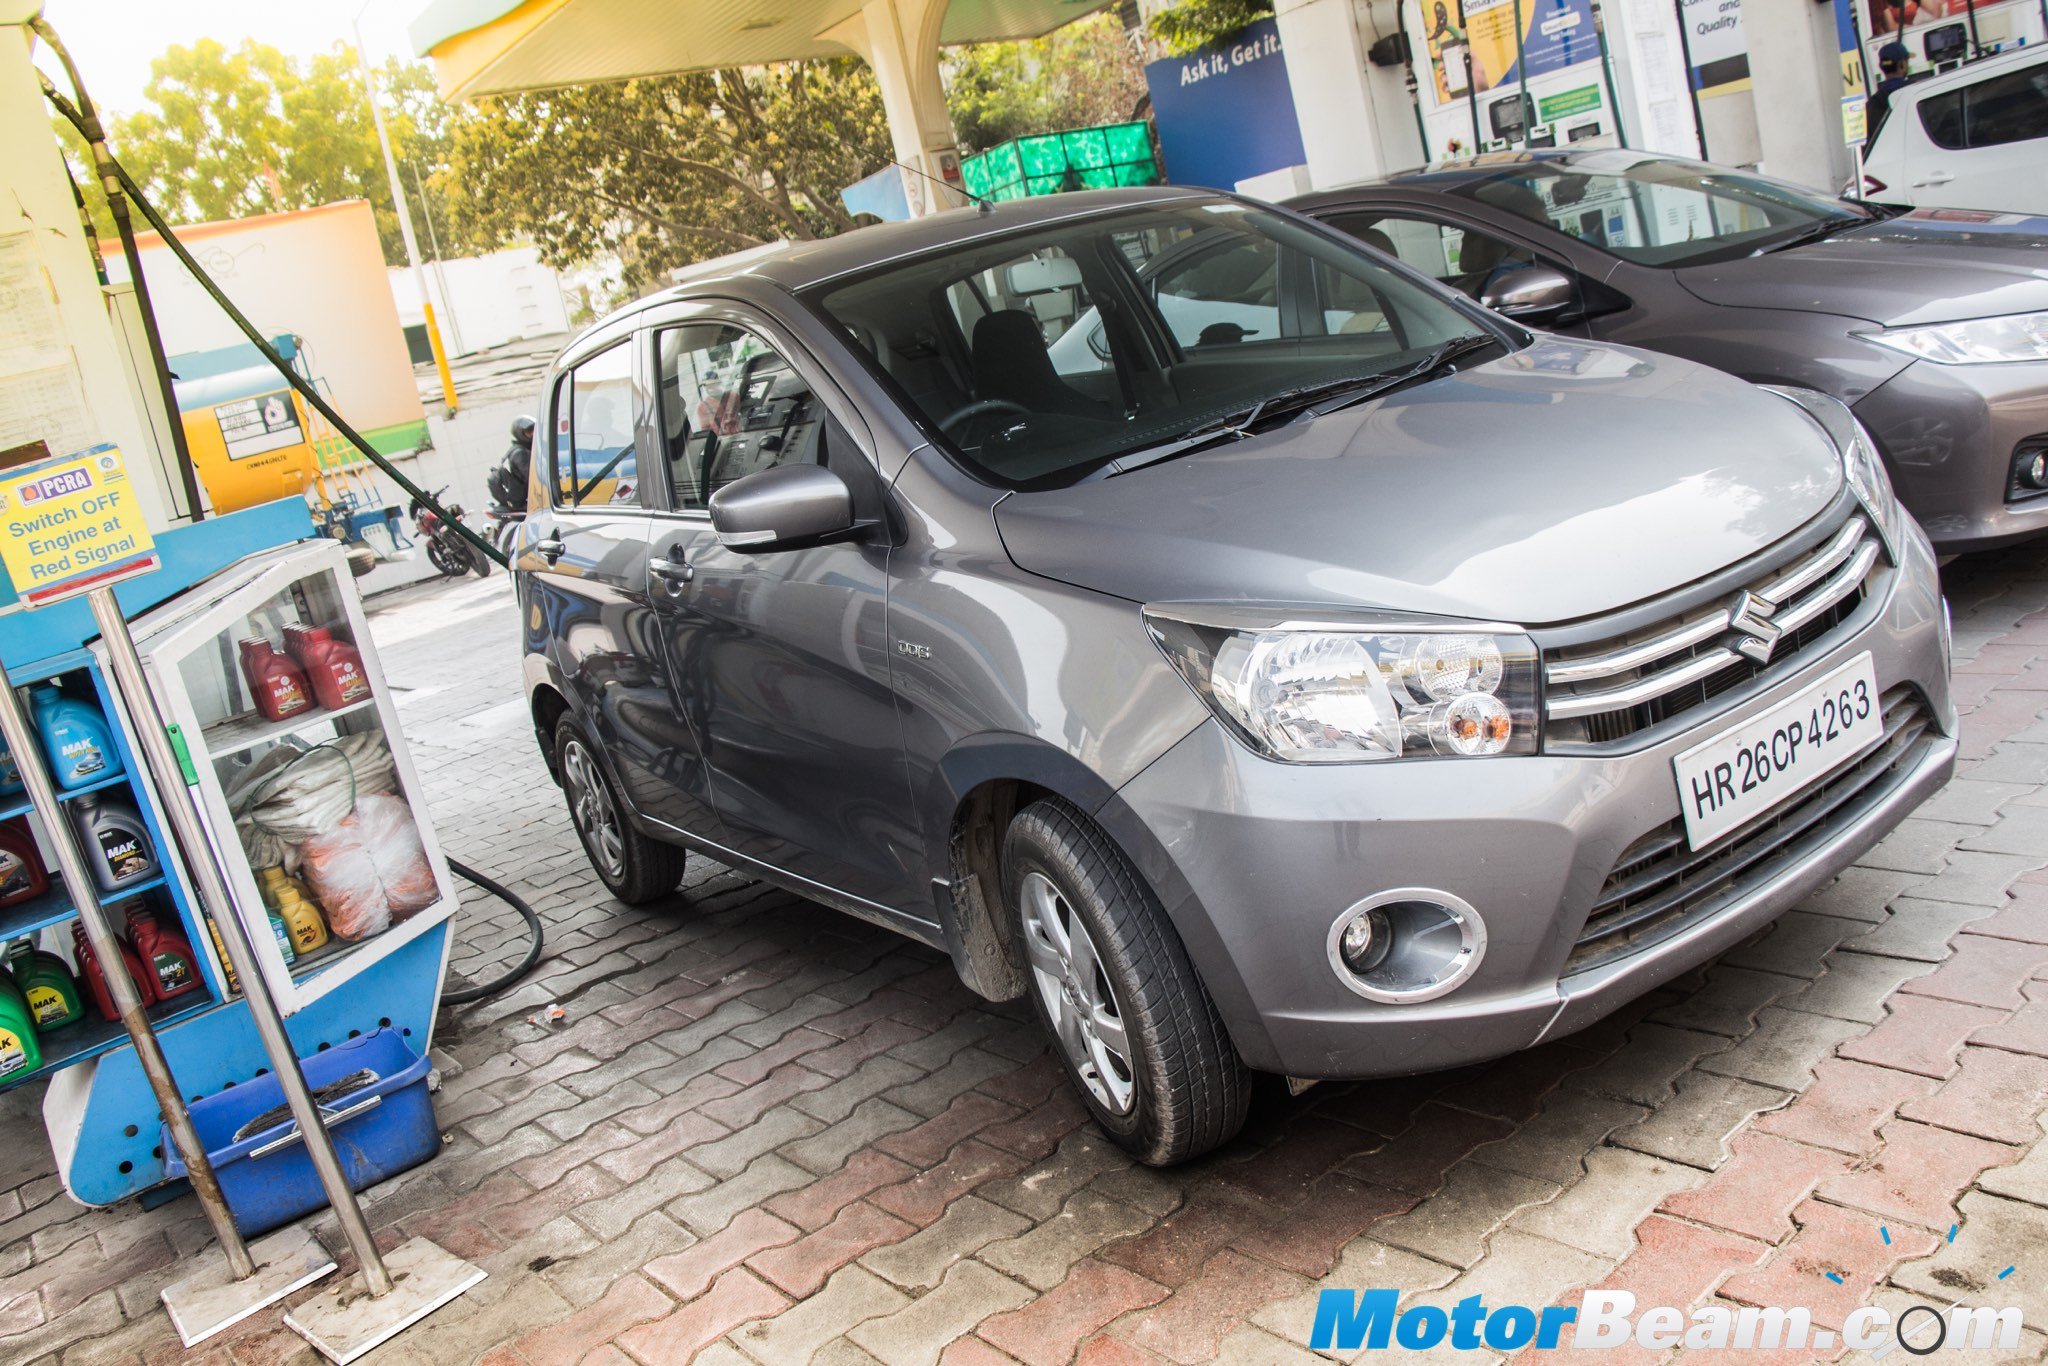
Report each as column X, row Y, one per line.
column 382, row 1129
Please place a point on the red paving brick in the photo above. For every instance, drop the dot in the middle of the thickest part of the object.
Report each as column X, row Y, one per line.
column 1983, row 972
column 1174, row 1250
column 1188, row 1326
column 1308, row 1240
column 799, row 1268
column 1755, row 1191
column 1830, row 1239
column 815, row 1205
column 1845, row 1105
column 2026, row 1031
column 1285, row 1173
column 929, row 1142
column 1036, row 1133
column 629, row 1301
column 736, row 1297
column 688, row 1273
column 1919, row 1175
column 924, row 1197
column 1674, row 1263
column 1049, row 1329
column 1994, row 1094
column 1920, row 1034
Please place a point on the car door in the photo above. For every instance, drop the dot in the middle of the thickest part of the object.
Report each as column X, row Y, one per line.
column 588, row 589
column 1985, row 144
column 778, row 659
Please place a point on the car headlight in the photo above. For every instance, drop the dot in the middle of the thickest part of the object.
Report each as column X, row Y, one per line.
column 1861, row 465
column 1335, row 691
column 1975, row 341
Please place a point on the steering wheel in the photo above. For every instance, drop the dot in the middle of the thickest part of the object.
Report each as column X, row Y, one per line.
column 976, row 409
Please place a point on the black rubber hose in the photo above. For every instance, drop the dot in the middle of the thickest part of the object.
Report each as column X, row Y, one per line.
column 485, row 990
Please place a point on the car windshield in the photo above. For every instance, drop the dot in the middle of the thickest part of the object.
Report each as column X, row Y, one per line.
column 1041, row 356
column 1660, row 211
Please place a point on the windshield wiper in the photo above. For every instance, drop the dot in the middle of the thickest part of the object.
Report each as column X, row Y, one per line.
column 1813, row 232
column 1291, row 403
column 1423, row 369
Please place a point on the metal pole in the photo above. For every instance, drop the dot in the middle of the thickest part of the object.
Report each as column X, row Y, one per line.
column 434, row 246
column 1607, row 73
column 412, row 245
column 186, row 827
column 22, row 743
column 1522, row 80
column 1692, row 90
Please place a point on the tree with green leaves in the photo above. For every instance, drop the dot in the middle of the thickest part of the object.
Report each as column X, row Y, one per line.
column 1189, row 25
column 234, row 133
column 665, row 170
column 1084, row 74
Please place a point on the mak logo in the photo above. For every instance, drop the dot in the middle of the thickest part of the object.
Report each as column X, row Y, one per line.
column 1756, row 635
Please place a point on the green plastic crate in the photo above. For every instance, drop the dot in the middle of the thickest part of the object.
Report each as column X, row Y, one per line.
column 1046, row 163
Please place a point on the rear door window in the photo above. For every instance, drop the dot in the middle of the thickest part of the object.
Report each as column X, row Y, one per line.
column 595, row 464
column 2011, row 107
column 1223, row 296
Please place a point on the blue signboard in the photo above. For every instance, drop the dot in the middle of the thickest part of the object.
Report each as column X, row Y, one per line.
column 1226, row 113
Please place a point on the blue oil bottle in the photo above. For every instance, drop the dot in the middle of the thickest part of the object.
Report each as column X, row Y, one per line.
column 75, row 736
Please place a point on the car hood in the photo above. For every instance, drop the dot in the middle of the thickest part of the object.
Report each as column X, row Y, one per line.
column 1553, row 483
column 1928, row 266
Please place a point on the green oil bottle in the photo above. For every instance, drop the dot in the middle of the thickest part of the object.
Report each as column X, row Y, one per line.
column 19, row 1051
column 47, row 985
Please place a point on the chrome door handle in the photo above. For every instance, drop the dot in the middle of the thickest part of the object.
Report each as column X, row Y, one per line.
column 675, row 573
column 550, row 549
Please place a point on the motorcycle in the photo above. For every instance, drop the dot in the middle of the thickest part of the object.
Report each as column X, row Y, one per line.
column 447, row 550
column 502, row 526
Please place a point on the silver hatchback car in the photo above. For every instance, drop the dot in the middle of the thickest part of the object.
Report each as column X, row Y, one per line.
column 1343, row 686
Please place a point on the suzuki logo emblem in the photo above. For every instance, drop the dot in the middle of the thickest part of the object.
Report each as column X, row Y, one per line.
column 1756, row 635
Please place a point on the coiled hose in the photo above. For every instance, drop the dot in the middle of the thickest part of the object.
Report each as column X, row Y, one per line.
column 484, row 990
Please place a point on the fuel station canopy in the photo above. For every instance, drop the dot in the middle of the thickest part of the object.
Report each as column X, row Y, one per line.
column 483, row 47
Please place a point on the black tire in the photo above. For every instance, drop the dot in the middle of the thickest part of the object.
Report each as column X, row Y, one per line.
column 633, row 867
column 448, row 555
column 478, row 561
column 1177, row 1089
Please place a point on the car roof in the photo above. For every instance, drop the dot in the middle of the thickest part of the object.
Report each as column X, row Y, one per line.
column 1972, row 72
column 1453, row 175
column 801, row 265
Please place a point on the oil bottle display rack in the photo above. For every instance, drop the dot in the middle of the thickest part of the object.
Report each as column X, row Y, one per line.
column 326, row 798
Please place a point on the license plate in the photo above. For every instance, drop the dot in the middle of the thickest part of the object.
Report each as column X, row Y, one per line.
column 1743, row 772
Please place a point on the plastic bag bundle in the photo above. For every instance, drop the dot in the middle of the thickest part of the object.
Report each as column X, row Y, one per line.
column 330, row 816
column 290, row 795
column 371, row 869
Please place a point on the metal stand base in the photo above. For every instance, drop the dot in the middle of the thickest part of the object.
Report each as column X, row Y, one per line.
column 344, row 1321
column 211, row 1299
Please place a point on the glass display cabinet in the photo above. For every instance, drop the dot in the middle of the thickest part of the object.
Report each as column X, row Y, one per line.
column 268, row 677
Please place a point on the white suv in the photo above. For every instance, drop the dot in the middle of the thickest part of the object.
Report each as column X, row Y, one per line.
column 1973, row 138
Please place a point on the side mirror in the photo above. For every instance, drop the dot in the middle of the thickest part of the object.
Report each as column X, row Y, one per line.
column 1535, row 295
column 785, row 507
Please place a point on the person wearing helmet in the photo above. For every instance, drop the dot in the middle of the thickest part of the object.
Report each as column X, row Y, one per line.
column 508, row 480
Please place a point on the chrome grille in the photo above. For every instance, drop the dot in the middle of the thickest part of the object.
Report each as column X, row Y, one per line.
column 1659, row 885
column 1607, row 690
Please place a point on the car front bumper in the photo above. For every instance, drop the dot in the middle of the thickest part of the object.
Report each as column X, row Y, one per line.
column 1948, row 433
column 1265, row 856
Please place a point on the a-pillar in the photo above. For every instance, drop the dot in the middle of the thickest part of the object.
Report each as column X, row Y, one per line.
column 1795, row 67
column 900, row 41
column 1357, row 120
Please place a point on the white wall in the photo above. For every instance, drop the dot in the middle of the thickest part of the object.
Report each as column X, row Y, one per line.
column 501, row 297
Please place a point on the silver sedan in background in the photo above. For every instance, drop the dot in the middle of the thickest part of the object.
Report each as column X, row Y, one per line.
column 1931, row 324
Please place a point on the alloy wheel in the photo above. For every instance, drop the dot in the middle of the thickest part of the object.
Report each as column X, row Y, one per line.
column 590, row 806
column 1074, row 987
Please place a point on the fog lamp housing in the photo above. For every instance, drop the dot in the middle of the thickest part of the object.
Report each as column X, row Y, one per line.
column 2029, row 470
column 1407, row 945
